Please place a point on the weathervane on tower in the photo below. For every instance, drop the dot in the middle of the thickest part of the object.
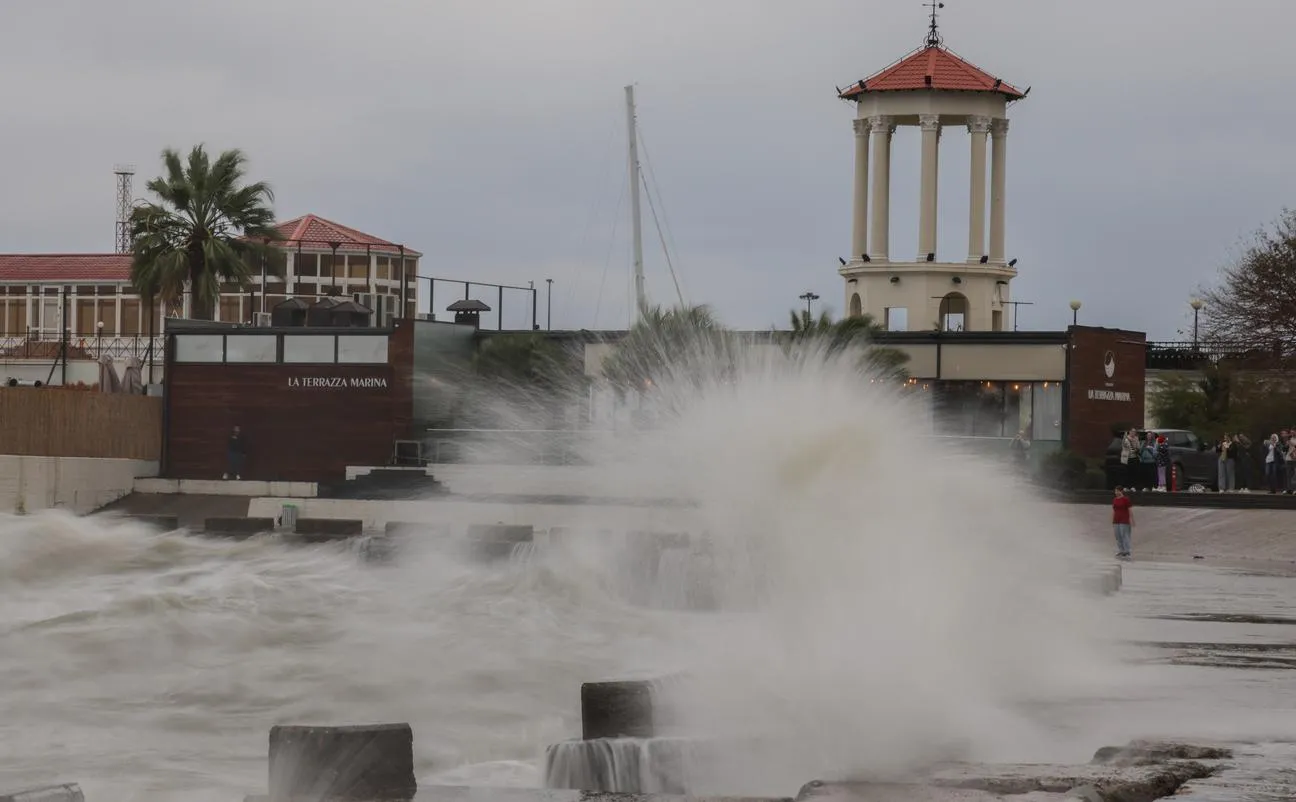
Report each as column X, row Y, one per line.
column 933, row 35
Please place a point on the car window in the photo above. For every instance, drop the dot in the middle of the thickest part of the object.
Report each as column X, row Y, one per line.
column 1178, row 439
column 1192, row 440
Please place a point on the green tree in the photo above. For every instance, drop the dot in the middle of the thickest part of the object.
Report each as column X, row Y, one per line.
column 851, row 333
column 207, row 228
column 1221, row 400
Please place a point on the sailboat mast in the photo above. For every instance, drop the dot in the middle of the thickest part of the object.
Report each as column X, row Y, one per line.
column 636, row 222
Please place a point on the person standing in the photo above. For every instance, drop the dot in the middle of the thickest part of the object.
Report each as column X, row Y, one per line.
column 1162, row 461
column 1129, row 457
column 1274, row 458
column 235, row 454
column 1122, row 523
column 1227, row 450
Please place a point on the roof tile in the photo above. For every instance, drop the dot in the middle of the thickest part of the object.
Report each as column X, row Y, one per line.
column 65, row 268
column 932, row 67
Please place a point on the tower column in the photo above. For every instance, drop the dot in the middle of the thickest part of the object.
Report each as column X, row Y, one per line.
column 978, row 127
column 998, row 183
column 930, row 125
column 879, row 239
column 859, row 222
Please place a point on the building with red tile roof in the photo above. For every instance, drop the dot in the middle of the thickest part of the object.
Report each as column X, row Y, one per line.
column 321, row 258
column 940, row 93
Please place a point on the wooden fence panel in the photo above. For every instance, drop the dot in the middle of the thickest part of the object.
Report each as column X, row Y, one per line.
column 52, row 422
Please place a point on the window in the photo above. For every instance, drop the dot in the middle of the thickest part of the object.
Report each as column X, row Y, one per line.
column 199, row 347
column 230, row 309
column 897, row 318
column 358, row 266
column 306, row 264
column 251, row 348
column 130, row 316
column 309, row 349
column 362, row 349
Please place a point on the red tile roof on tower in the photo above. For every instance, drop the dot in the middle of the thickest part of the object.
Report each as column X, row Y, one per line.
column 932, row 67
column 64, row 268
column 316, row 233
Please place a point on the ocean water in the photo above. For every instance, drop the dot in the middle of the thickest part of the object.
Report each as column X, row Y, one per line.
column 874, row 606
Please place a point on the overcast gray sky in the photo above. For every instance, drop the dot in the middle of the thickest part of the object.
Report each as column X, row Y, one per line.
column 489, row 134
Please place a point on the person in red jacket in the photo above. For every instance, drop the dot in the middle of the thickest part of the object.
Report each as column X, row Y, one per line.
column 1122, row 522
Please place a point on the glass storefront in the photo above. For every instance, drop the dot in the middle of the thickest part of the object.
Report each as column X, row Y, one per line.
column 986, row 409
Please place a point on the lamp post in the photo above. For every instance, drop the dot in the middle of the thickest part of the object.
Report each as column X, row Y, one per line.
column 99, row 339
column 549, row 304
column 809, row 297
column 1075, row 313
column 1196, row 305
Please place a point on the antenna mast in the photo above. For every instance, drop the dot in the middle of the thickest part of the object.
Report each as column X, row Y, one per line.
column 641, row 303
column 125, row 173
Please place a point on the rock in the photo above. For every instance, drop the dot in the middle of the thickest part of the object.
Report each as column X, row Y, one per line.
column 359, row 764
column 68, row 792
column 1143, row 753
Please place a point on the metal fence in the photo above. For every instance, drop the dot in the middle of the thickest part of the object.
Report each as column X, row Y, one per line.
column 1165, row 355
column 83, row 348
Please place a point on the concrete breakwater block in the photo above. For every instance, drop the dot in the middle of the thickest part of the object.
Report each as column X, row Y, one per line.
column 323, row 530
column 238, row 527
column 497, row 541
column 67, row 792
column 621, row 709
column 620, row 765
column 167, row 523
column 356, row 764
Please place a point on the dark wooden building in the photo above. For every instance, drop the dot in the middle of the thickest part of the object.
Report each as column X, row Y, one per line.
column 310, row 401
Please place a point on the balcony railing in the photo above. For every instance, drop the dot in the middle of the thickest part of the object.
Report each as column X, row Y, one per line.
column 92, row 348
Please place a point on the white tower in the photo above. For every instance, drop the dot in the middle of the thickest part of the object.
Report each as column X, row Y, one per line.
column 931, row 89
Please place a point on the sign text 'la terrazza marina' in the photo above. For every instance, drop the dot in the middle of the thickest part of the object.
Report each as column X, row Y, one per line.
column 337, row 382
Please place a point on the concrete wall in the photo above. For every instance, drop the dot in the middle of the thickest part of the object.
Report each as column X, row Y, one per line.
column 459, row 515
column 78, row 370
column 218, row 487
column 77, row 484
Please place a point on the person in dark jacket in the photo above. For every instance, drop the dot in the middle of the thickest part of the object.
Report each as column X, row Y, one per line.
column 1163, row 463
column 235, row 453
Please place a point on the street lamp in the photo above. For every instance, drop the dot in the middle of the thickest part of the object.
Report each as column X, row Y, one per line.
column 1196, row 305
column 99, row 338
column 1075, row 313
column 549, row 304
column 809, row 297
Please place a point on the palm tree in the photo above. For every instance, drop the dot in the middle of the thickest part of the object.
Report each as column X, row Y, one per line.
column 834, row 337
column 669, row 342
column 209, row 228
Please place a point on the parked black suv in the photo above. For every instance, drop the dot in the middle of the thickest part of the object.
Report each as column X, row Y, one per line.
column 1195, row 463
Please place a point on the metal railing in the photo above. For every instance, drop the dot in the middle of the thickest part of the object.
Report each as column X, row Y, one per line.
column 1168, row 355
column 50, row 347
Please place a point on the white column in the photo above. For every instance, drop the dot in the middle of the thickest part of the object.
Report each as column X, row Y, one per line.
column 998, row 175
column 978, row 127
column 879, row 237
column 930, row 125
column 859, row 223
